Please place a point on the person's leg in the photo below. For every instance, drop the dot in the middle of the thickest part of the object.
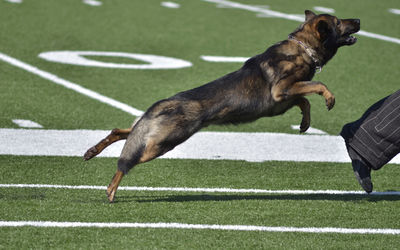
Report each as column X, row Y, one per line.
column 361, row 169
column 374, row 139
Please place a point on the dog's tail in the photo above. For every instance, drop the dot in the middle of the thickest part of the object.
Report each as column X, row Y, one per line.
column 115, row 135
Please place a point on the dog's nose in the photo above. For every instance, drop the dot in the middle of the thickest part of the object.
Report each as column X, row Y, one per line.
column 357, row 21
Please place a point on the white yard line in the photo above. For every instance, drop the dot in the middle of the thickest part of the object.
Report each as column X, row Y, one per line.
column 14, row 1
column 170, row 5
column 70, row 85
column 224, row 59
column 292, row 17
column 394, row 11
column 253, row 147
column 26, row 123
column 310, row 130
column 92, row 2
column 168, row 225
column 324, row 9
column 202, row 190
column 256, row 9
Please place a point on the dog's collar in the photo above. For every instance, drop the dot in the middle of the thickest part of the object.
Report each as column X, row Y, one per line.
column 310, row 52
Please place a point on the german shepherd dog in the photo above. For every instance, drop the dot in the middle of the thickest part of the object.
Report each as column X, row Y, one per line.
column 267, row 84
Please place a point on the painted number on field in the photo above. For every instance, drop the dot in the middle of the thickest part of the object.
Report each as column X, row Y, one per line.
column 78, row 58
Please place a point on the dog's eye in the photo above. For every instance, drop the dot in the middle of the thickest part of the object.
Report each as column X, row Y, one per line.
column 338, row 22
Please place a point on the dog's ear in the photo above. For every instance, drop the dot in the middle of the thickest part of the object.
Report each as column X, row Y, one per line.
column 309, row 14
column 324, row 30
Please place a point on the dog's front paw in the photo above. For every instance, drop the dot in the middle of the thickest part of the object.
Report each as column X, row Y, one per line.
column 305, row 124
column 92, row 152
column 330, row 101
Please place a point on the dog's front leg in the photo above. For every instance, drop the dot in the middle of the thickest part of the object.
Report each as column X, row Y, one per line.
column 310, row 87
column 304, row 105
column 283, row 90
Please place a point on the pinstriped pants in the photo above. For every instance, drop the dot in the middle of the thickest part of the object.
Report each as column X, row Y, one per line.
column 376, row 135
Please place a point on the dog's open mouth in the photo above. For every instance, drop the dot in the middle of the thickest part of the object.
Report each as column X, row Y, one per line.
column 349, row 39
column 350, row 26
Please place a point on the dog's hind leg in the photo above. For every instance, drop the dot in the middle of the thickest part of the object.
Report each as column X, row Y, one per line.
column 304, row 105
column 141, row 155
column 125, row 163
column 153, row 136
column 112, row 188
column 130, row 156
column 115, row 135
column 133, row 153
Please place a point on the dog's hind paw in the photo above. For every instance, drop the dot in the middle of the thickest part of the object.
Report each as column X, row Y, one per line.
column 110, row 194
column 92, row 152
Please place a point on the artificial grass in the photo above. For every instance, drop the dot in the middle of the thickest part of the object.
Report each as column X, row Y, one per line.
column 297, row 210
column 78, row 238
column 285, row 209
column 357, row 75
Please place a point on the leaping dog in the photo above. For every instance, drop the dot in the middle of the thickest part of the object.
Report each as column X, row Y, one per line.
column 266, row 85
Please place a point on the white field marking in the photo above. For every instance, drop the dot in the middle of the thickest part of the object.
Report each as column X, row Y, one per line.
column 70, row 85
column 256, row 9
column 14, row 1
column 293, row 17
column 76, row 58
column 224, row 59
column 169, row 225
column 310, row 130
column 171, row 5
column 228, row 7
column 263, row 15
column 379, row 37
column 324, row 9
column 394, row 11
column 253, row 147
column 92, row 2
column 202, row 190
column 27, row 123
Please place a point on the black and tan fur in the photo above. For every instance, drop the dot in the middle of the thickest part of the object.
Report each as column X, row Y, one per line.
column 267, row 84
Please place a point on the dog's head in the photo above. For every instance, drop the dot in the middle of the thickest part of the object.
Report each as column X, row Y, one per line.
column 330, row 30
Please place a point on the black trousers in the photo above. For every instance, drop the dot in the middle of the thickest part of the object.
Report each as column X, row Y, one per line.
column 376, row 135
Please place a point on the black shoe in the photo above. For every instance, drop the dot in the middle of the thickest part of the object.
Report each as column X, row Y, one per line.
column 361, row 170
column 363, row 175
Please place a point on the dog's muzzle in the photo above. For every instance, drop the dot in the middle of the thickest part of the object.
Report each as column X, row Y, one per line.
column 352, row 26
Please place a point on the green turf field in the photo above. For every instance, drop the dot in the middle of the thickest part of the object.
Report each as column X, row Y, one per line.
column 358, row 76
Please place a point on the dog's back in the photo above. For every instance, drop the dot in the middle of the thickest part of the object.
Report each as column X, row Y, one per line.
column 238, row 97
